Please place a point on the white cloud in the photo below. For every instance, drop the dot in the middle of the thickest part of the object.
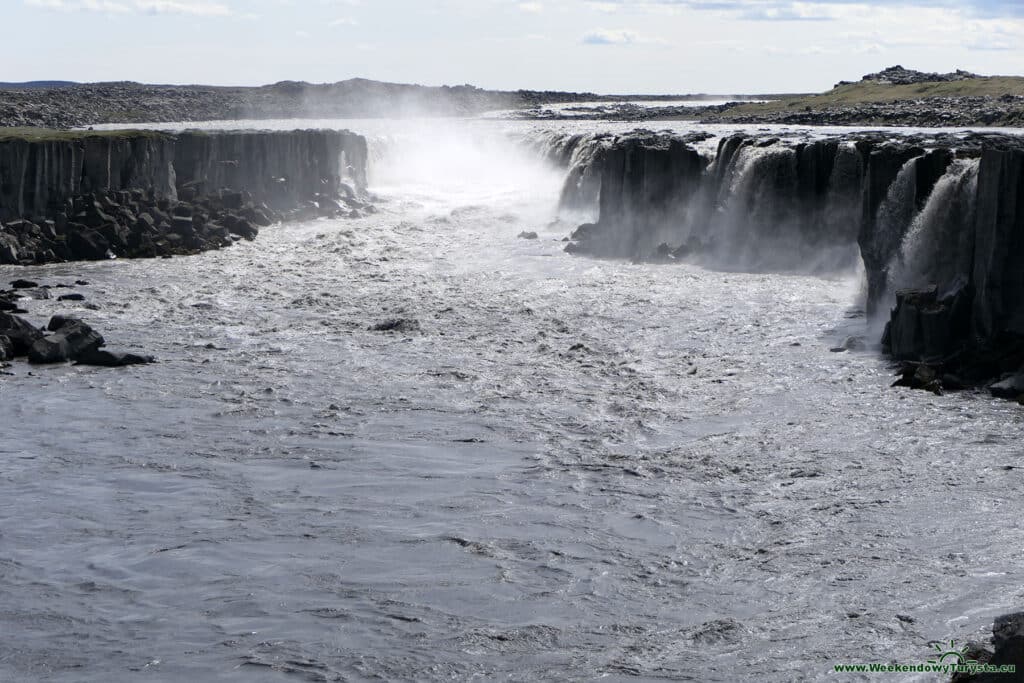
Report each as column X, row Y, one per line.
column 618, row 36
column 192, row 7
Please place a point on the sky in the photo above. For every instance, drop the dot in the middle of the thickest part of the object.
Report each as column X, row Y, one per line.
column 603, row 46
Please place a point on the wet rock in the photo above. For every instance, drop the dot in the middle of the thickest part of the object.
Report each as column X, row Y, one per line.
column 20, row 332
column 929, row 325
column 24, row 284
column 976, row 652
column 396, row 325
column 1008, row 642
column 71, row 297
column 111, row 359
column 919, row 376
column 88, row 245
column 854, row 343
column 70, row 340
column 525, row 235
column 1011, row 387
column 38, row 294
column 6, row 348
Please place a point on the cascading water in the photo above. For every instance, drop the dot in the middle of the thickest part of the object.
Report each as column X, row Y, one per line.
column 763, row 221
column 938, row 246
column 892, row 219
column 571, row 468
column 583, row 181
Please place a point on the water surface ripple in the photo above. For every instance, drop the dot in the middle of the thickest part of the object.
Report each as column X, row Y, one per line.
column 576, row 469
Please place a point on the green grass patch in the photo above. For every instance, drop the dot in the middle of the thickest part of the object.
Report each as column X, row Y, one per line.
column 867, row 92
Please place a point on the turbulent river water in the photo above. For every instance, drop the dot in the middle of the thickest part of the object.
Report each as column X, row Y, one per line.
column 575, row 470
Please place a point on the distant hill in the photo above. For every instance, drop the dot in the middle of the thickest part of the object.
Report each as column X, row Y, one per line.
column 61, row 104
column 38, row 84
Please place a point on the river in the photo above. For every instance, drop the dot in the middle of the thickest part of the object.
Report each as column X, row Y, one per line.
column 576, row 469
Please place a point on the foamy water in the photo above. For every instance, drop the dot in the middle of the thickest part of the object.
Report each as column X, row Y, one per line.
column 578, row 469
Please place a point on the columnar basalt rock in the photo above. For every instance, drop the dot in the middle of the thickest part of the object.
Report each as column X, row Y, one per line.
column 643, row 180
column 89, row 195
column 938, row 224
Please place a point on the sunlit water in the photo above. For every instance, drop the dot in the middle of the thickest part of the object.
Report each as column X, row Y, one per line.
column 577, row 469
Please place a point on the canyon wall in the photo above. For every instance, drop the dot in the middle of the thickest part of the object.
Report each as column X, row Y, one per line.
column 938, row 224
column 85, row 195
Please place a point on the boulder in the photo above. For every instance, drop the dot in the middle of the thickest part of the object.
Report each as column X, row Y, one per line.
column 245, row 229
column 396, row 325
column 9, row 249
column 6, row 348
column 23, row 284
column 1011, row 387
column 182, row 225
column 20, row 332
column 88, row 245
column 71, row 339
column 111, row 359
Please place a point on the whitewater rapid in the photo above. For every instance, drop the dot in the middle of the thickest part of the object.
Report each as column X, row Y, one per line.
column 577, row 469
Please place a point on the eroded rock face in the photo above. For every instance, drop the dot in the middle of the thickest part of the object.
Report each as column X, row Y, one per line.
column 928, row 325
column 938, row 223
column 140, row 194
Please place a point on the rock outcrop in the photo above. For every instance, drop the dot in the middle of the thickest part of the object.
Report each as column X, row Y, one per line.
column 69, row 339
column 898, row 75
column 88, row 195
column 1005, row 661
column 938, row 223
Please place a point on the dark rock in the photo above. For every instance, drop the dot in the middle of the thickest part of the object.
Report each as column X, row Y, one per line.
column 72, row 339
column 1012, row 387
column 6, row 348
column 71, row 297
column 245, row 229
column 88, row 245
column 927, row 326
column 919, row 376
column 9, row 248
column 897, row 75
column 397, row 325
column 527, row 235
column 182, row 210
column 110, row 359
column 23, row 284
column 20, row 332
column 1008, row 640
column 40, row 294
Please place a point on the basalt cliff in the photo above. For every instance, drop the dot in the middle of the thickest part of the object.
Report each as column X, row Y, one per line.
column 936, row 222
column 95, row 195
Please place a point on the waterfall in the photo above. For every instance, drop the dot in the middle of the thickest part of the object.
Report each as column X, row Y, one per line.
column 896, row 211
column 756, row 223
column 892, row 220
column 583, row 181
column 938, row 246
